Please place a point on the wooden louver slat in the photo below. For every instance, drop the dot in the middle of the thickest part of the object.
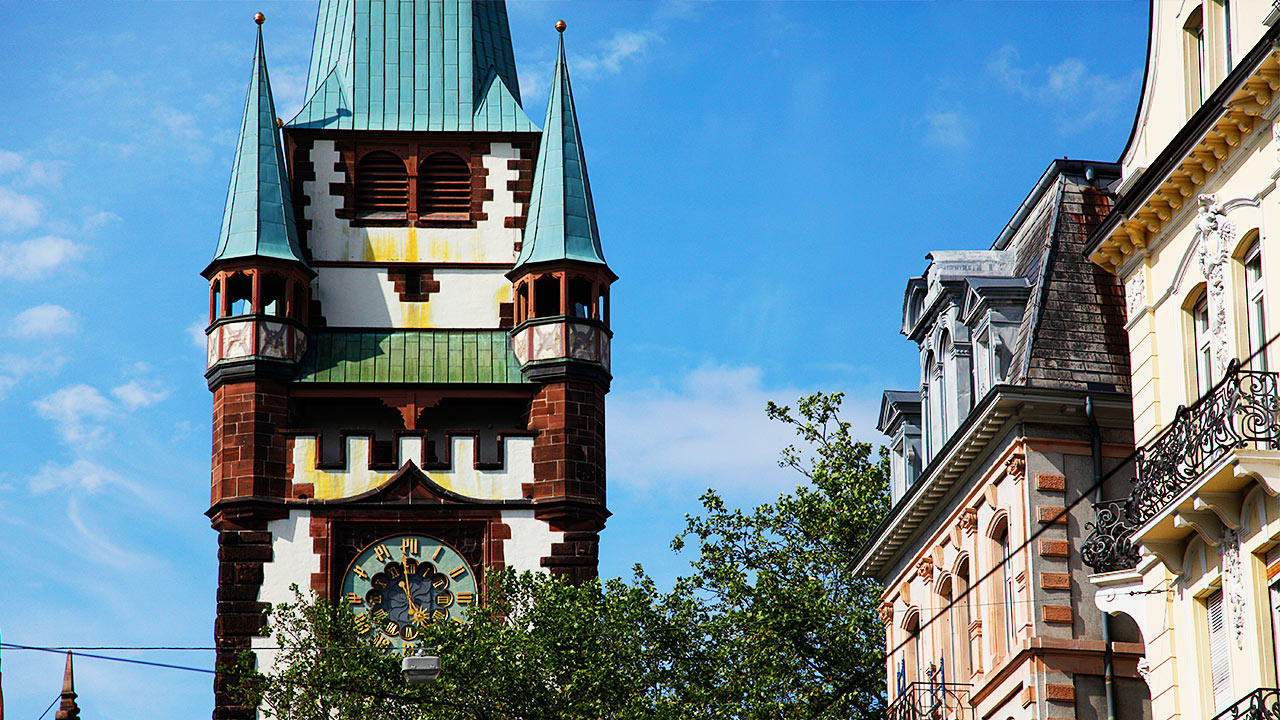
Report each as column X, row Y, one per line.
column 382, row 184
column 444, row 186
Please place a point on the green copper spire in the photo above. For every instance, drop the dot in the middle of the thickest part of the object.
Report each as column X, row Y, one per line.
column 258, row 220
column 562, row 219
column 442, row 65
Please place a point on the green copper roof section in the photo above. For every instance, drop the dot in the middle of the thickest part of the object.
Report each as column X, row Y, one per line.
column 562, row 219
column 258, row 219
column 413, row 65
column 410, row 356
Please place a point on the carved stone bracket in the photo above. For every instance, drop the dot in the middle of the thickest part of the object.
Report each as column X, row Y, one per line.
column 924, row 569
column 886, row 612
column 1016, row 467
column 969, row 520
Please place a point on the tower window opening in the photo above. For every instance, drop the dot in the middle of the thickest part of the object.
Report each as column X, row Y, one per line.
column 413, row 282
column 240, row 294
column 273, row 295
column 444, row 186
column 522, row 302
column 580, row 293
column 215, row 300
column 382, row 186
column 546, row 294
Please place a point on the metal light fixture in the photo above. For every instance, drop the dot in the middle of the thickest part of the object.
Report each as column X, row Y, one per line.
column 422, row 668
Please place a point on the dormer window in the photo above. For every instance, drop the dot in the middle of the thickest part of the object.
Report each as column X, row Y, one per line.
column 381, row 187
column 444, row 187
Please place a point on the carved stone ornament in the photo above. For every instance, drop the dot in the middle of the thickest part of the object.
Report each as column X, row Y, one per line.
column 1135, row 293
column 886, row 613
column 1144, row 669
column 1016, row 467
column 1233, row 582
column 1217, row 238
column 924, row 569
column 969, row 520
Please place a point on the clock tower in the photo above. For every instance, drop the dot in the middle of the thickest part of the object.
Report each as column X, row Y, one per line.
column 408, row 341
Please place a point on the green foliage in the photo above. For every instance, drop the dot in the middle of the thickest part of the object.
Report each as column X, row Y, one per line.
column 770, row 623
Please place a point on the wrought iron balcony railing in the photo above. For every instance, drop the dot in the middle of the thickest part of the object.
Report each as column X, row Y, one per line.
column 1110, row 546
column 1243, row 409
column 1261, row 704
column 929, row 700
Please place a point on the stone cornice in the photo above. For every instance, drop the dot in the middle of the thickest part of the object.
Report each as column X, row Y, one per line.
column 1199, row 150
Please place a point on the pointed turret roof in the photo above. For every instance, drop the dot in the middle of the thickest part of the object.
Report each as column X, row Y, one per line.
column 67, row 707
column 413, row 65
column 562, row 219
column 258, row 220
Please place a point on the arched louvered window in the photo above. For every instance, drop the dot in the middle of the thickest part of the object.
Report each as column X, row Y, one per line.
column 382, row 186
column 444, row 186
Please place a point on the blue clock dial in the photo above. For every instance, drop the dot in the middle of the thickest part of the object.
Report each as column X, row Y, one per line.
column 401, row 584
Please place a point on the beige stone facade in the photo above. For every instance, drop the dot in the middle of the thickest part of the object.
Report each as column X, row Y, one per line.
column 1190, row 550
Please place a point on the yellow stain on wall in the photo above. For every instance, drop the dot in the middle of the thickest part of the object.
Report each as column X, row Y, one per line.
column 415, row 315
column 373, row 244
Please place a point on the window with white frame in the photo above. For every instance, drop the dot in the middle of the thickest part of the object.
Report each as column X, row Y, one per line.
column 1006, row 585
column 1255, row 305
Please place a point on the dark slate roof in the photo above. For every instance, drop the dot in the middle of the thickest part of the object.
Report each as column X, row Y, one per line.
column 410, row 356
column 258, row 219
column 1076, row 338
column 562, row 218
column 443, row 65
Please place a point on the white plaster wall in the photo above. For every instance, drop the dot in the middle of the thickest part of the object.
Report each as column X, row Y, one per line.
column 366, row 297
column 530, row 540
column 334, row 239
column 293, row 561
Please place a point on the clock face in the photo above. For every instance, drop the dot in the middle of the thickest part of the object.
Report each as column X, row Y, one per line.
column 400, row 584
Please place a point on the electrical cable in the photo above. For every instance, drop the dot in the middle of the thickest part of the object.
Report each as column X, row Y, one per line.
column 46, row 710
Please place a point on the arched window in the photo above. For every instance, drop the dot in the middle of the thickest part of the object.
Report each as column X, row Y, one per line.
column 946, row 629
column 1197, row 73
column 1005, row 558
column 947, row 387
column 1255, row 305
column 929, row 398
column 382, row 186
column 444, row 186
column 960, row 621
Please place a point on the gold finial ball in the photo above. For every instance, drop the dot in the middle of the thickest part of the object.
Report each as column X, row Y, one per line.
column 259, row 18
column 560, row 26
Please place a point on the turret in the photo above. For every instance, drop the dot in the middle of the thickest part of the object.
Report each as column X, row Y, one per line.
column 258, row 279
column 561, row 278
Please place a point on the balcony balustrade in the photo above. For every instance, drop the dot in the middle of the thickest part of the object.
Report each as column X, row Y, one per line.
column 1261, row 704
column 1242, row 410
column 932, row 700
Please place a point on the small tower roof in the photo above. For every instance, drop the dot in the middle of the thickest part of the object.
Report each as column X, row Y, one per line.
column 67, row 707
column 562, row 218
column 442, row 65
column 258, row 220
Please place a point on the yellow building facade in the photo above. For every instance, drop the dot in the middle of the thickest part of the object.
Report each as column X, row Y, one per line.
column 1190, row 550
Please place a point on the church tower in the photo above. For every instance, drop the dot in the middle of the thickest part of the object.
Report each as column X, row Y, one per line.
column 408, row 344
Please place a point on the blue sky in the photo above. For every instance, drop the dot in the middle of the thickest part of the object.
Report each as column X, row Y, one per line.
column 767, row 176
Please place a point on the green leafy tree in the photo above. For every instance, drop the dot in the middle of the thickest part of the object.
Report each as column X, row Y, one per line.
column 770, row 623
column 798, row 634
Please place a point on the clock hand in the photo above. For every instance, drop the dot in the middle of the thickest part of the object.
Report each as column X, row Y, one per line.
column 408, row 594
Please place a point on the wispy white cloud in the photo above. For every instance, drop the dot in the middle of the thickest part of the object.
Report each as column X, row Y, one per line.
column 1079, row 97
column 946, row 129
column 43, row 321
column 136, row 394
column 33, row 259
column 26, row 172
column 18, row 212
column 611, row 55
column 196, row 331
column 78, row 413
column 79, row 475
column 708, row 428
column 14, row 368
